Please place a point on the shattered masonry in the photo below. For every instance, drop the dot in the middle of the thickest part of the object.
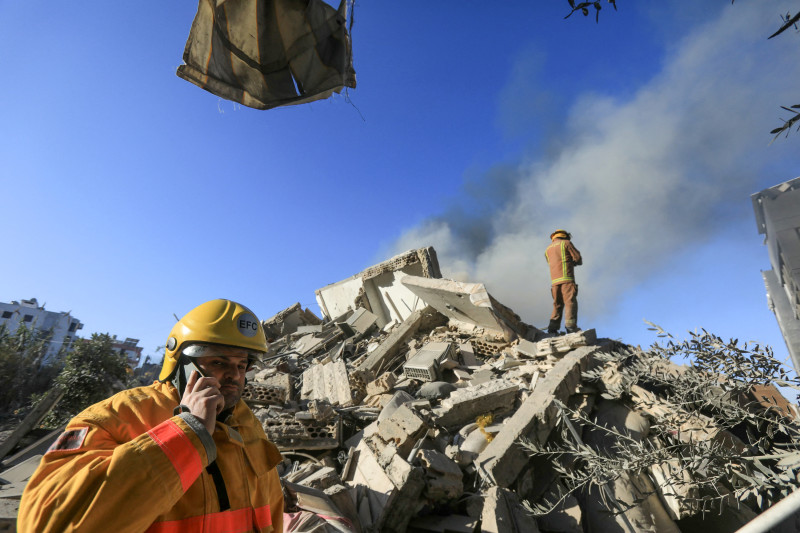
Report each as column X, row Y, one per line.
column 402, row 409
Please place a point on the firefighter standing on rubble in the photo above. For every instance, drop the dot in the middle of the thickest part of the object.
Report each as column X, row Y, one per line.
column 183, row 454
column 562, row 256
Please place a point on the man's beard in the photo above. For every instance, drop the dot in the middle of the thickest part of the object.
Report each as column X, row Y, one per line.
column 231, row 397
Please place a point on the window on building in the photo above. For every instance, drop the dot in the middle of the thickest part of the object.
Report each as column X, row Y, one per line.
column 72, row 326
column 7, row 314
column 28, row 318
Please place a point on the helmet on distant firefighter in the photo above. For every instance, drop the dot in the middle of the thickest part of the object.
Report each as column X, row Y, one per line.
column 560, row 234
column 214, row 323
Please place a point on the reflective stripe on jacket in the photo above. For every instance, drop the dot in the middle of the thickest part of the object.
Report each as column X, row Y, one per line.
column 127, row 464
column 562, row 256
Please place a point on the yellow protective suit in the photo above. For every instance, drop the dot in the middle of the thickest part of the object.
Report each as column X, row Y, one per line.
column 127, row 464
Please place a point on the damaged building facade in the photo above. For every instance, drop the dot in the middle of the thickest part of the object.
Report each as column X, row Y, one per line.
column 414, row 402
column 777, row 212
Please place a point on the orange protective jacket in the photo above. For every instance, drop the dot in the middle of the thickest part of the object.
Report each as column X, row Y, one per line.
column 562, row 256
column 127, row 464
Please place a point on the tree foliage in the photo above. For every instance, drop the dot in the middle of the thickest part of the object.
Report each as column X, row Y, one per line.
column 22, row 354
column 93, row 371
column 752, row 459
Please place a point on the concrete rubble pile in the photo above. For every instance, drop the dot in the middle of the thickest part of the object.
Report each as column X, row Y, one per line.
column 403, row 407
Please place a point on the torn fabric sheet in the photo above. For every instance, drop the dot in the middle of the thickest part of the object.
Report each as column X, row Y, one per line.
column 269, row 53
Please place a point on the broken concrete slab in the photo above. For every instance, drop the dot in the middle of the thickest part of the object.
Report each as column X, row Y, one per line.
column 503, row 459
column 380, row 358
column 287, row 321
column 493, row 397
column 469, row 303
column 391, row 491
column 378, row 289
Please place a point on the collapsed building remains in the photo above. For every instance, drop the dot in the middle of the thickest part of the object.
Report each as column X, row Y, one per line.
column 404, row 408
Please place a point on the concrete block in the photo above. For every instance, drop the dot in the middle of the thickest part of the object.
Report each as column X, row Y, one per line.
column 443, row 477
column 503, row 513
column 503, row 459
column 494, row 397
column 288, row 433
column 467, row 354
column 526, row 348
column 403, row 429
column 362, row 321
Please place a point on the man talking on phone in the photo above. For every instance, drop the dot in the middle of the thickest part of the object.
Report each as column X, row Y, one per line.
column 183, row 454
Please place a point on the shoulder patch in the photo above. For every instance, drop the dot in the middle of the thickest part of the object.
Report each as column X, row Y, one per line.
column 72, row 439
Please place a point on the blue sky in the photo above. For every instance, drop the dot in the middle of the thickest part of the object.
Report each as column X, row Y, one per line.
column 129, row 195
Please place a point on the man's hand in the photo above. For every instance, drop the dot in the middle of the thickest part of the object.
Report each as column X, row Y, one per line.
column 203, row 398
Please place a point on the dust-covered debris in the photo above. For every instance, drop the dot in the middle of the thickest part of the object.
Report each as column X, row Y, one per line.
column 430, row 406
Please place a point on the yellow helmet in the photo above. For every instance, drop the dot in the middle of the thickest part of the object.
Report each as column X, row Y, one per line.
column 560, row 233
column 216, row 322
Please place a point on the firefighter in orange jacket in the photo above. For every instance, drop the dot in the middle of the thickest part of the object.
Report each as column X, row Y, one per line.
column 562, row 256
column 183, row 454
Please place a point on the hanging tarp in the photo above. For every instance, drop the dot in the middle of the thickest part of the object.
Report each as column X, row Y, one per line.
column 269, row 53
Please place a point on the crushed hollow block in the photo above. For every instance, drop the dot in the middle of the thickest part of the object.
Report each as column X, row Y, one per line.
column 288, row 433
column 503, row 459
column 272, row 390
column 494, row 397
column 487, row 348
column 443, row 477
column 383, row 384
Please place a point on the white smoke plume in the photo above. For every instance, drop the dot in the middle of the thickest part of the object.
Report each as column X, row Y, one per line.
column 634, row 180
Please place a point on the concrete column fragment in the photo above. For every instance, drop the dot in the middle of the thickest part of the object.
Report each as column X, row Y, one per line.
column 503, row 459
